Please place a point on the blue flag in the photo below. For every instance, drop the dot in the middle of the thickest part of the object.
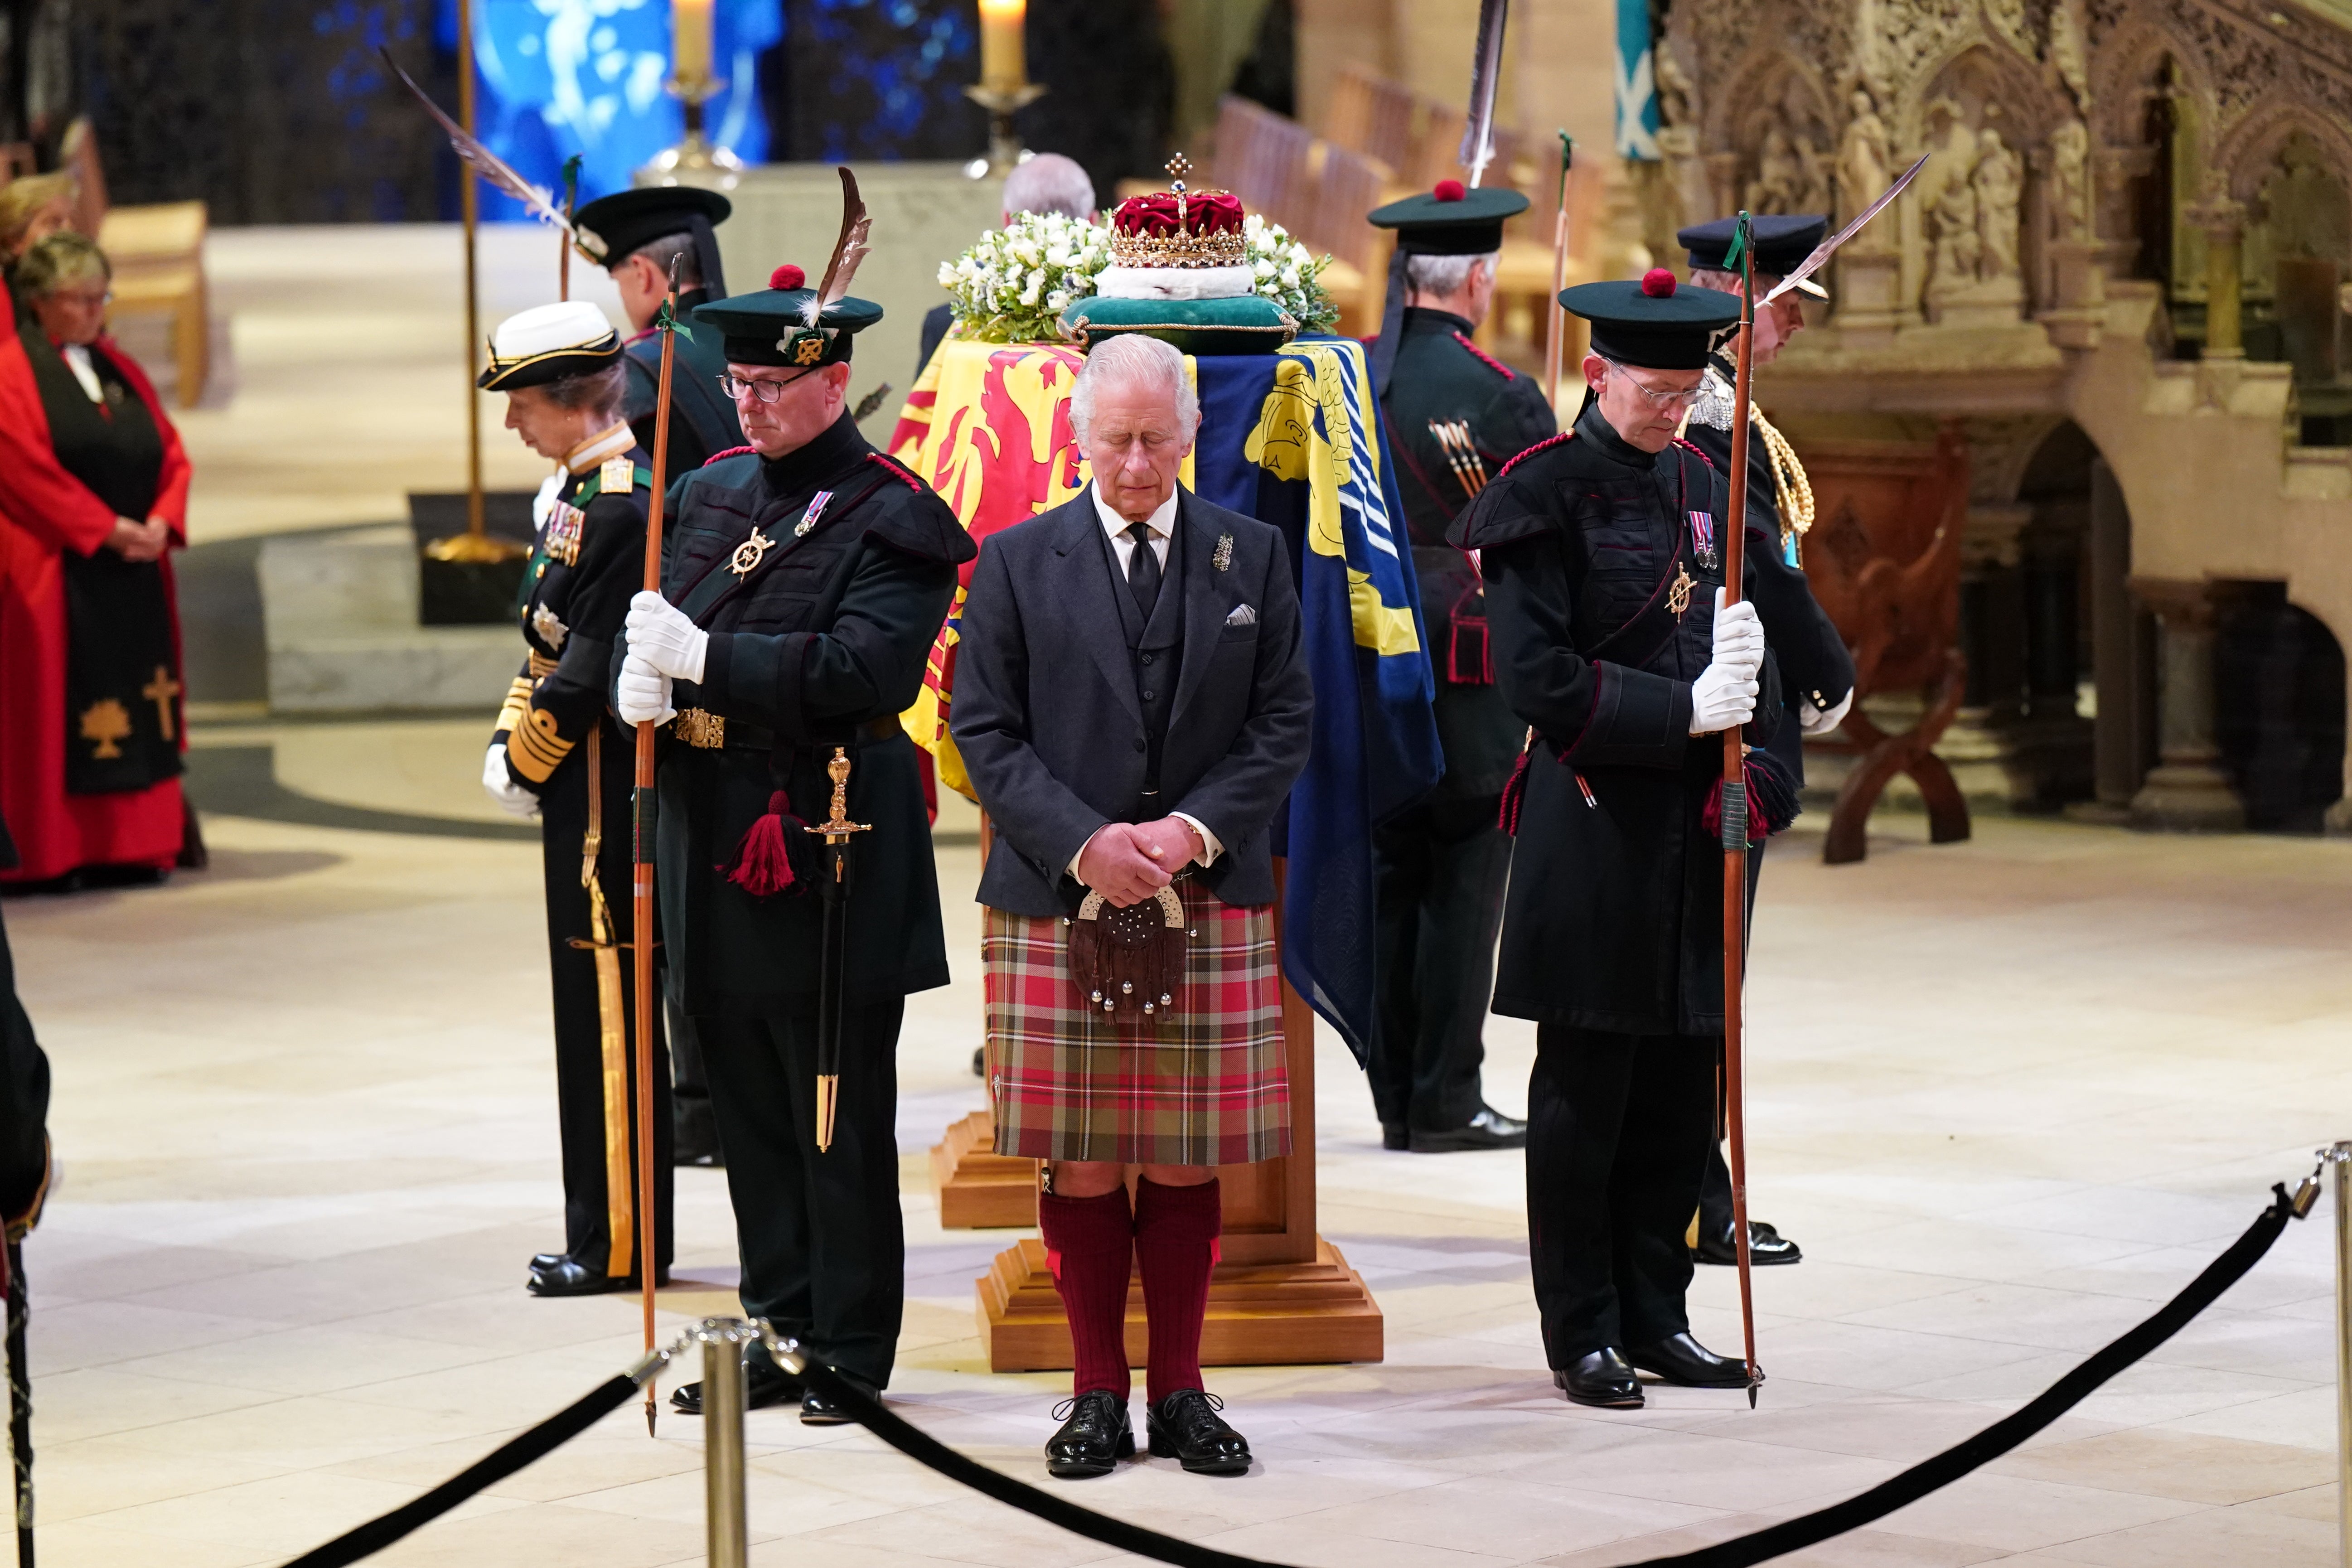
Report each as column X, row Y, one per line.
column 1268, row 424
column 1637, row 84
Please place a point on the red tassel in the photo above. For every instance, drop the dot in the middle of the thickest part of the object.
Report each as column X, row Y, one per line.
column 763, row 864
column 1515, row 794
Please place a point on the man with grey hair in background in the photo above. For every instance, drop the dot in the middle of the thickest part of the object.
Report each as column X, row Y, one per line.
column 1132, row 704
column 1454, row 415
column 1046, row 182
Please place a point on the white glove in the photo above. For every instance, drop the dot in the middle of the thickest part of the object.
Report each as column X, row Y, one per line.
column 499, row 785
column 1739, row 635
column 664, row 638
column 1721, row 699
column 1815, row 721
column 642, row 693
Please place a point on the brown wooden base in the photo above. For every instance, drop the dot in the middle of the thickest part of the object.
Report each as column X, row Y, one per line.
column 1259, row 1314
column 979, row 1188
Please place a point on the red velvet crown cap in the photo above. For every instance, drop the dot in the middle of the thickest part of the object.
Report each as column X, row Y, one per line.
column 1205, row 212
column 1658, row 283
column 788, row 277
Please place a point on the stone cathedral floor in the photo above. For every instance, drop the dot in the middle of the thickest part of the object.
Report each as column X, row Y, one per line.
column 2007, row 1095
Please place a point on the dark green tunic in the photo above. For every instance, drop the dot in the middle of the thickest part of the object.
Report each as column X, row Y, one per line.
column 824, row 644
column 702, row 419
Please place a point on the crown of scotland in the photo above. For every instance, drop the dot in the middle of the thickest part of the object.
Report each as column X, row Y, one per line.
column 1178, row 226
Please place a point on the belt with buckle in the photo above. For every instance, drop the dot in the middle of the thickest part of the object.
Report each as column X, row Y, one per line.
column 708, row 731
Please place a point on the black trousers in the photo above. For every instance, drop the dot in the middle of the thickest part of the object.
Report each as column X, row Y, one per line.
column 594, row 1123
column 1441, row 870
column 823, row 1248
column 1617, row 1131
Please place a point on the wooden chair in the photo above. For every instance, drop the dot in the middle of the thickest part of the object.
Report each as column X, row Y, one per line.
column 1885, row 559
column 1347, row 185
column 158, row 255
column 1373, row 116
column 1261, row 157
column 1438, row 154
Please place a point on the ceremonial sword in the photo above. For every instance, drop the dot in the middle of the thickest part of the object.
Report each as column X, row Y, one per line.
column 833, row 889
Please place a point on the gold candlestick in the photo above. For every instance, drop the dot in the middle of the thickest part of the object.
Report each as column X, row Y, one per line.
column 695, row 160
column 1005, row 149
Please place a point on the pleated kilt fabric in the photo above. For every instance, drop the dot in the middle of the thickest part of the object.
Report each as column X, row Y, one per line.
column 1200, row 1083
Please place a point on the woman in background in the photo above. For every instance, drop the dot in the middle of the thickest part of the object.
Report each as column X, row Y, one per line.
column 32, row 209
column 90, row 702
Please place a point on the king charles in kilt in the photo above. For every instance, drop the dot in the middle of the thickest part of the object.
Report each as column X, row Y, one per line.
column 1132, row 706
column 557, row 754
column 1605, row 565
column 801, row 586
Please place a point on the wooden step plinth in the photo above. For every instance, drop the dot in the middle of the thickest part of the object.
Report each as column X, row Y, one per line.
column 1259, row 1313
column 979, row 1188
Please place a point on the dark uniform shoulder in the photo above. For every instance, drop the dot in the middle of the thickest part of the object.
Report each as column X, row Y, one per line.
column 1483, row 357
column 907, row 514
column 1516, row 504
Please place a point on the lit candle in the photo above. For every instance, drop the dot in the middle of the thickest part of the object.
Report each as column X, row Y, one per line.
column 1003, row 62
column 691, row 25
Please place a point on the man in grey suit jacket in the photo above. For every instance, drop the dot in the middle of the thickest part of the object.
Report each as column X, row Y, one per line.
column 1132, row 705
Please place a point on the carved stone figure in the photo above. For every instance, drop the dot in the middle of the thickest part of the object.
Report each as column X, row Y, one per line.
column 1957, row 244
column 1863, row 169
column 1998, row 182
column 2069, row 182
column 1781, row 182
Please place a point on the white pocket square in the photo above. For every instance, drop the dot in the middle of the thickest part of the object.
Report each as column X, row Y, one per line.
column 1242, row 615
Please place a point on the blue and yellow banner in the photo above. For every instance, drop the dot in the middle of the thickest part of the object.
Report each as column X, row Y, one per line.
column 1293, row 438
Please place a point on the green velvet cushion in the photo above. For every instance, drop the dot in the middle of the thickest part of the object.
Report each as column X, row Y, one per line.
column 1240, row 324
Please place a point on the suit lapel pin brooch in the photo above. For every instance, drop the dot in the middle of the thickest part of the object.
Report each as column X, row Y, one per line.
column 1222, row 556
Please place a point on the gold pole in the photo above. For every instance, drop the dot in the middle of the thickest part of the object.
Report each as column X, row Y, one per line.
column 2340, row 1157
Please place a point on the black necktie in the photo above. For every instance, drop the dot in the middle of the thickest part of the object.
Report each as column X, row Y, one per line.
column 1143, row 569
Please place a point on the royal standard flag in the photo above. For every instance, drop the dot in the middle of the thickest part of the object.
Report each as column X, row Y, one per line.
column 1293, row 438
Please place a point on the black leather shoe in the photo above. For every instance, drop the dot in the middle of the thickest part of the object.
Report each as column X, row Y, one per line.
column 1766, row 1246
column 769, row 1384
column 1186, row 1426
column 1490, row 1129
column 570, row 1276
column 816, row 1410
column 1682, row 1360
column 980, row 1061
column 1395, row 1135
column 543, row 1261
column 1095, row 1437
column 1604, row 1380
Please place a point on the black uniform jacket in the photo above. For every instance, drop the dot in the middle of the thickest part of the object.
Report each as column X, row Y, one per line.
column 590, row 558
column 821, row 645
column 1812, row 657
column 702, row 419
column 1047, row 715
column 1442, row 376
column 1614, row 916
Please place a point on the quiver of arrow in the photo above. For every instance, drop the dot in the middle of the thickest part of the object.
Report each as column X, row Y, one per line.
column 1129, row 962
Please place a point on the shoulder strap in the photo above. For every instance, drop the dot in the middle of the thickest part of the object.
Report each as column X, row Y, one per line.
column 1567, row 435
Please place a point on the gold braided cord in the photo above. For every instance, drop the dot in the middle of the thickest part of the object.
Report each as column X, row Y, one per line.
column 1793, row 491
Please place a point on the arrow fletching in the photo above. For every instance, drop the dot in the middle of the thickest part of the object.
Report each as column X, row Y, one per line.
column 493, row 169
column 1828, row 247
column 848, row 251
column 1485, row 79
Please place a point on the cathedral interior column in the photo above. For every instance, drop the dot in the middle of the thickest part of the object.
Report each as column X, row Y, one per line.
column 2188, row 790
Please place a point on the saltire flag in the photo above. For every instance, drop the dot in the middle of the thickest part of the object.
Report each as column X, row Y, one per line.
column 1293, row 438
column 1637, row 84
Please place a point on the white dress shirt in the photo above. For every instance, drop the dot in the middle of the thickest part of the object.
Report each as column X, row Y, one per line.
column 1162, row 526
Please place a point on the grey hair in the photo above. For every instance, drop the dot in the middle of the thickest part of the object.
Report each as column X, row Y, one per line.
column 1049, row 183
column 601, row 392
column 1129, row 359
column 1445, row 274
column 661, row 252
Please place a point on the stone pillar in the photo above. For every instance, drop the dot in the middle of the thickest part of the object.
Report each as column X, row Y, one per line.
column 2187, row 791
column 2121, row 741
column 2224, row 223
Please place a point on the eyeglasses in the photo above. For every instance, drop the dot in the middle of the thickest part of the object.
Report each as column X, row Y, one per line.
column 84, row 297
column 763, row 391
column 1664, row 402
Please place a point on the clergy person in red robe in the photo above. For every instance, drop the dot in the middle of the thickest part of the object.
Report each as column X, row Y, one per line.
column 94, row 496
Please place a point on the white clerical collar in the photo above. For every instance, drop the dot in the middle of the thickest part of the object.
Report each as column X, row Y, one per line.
column 1161, row 522
column 596, row 448
column 77, row 358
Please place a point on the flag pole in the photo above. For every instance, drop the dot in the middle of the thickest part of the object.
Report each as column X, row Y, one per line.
column 1735, row 816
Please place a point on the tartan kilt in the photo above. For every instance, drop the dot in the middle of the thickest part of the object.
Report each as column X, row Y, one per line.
column 1202, row 1083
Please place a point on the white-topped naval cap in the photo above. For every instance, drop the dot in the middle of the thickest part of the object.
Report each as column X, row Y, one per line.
column 571, row 337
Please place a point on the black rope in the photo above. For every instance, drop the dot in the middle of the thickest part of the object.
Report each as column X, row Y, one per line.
column 496, row 1466
column 20, row 1402
column 1776, row 1541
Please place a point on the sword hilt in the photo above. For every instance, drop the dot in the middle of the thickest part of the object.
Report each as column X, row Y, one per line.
column 837, row 827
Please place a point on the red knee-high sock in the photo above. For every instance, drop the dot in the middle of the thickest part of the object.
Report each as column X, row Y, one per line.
column 1176, row 1231
column 1089, row 1246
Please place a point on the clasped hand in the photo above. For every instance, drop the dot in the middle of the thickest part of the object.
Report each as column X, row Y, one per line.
column 1724, row 695
column 139, row 541
column 661, row 636
column 1127, row 862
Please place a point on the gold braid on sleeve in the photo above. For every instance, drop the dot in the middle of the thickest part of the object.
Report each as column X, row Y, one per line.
column 1793, row 491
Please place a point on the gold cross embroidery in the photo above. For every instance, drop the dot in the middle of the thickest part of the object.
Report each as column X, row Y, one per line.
column 1678, row 595
column 160, row 691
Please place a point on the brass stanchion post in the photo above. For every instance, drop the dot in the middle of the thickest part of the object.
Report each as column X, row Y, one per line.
column 2339, row 1158
column 725, row 1394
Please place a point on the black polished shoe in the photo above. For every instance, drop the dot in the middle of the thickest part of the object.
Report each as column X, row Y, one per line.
column 1766, row 1246
column 1186, row 1426
column 1490, row 1129
column 980, row 1061
column 1395, row 1135
column 1095, row 1437
column 816, row 1410
column 769, row 1384
column 570, row 1276
column 543, row 1261
column 1683, row 1361
column 1603, row 1380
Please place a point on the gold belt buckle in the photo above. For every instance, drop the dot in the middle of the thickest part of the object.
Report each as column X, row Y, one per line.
column 701, row 729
